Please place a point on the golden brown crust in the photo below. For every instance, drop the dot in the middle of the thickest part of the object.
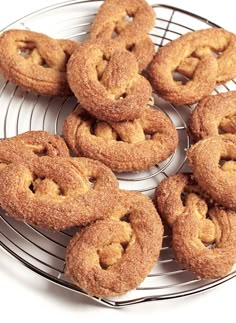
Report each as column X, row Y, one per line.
column 225, row 52
column 110, row 18
column 168, row 196
column 218, row 181
column 43, row 143
column 132, row 35
column 112, row 256
column 207, row 71
column 105, row 80
column 212, row 114
column 122, row 146
column 205, row 262
column 176, row 193
column 144, row 51
column 28, row 145
column 35, row 61
column 59, row 194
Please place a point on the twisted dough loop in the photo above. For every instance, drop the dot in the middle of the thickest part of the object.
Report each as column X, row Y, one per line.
column 207, row 71
column 204, row 158
column 213, row 114
column 105, row 80
column 170, row 204
column 122, row 146
column 35, row 61
column 132, row 35
column 113, row 256
column 58, row 194
column 110, row 18
column 30, row 145
column 193, row 254
column 224, row 47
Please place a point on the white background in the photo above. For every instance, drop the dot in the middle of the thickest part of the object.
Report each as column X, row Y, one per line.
column 24, row 296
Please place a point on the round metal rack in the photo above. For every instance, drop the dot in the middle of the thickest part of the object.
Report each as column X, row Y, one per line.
column 44, row 251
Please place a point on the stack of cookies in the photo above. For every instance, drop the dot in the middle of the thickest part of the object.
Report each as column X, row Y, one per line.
column 115, row 128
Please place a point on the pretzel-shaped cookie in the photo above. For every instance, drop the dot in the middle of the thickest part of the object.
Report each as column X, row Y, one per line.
column 189, row 249
column 112, row 256
column 122, row 146
column 105, row 80
column 170, row 205
column 132, row 35
column 212, row 114
column 60, row 194
column 29, row 145
column 201, row 44
column 218, row 181
column 224, row 50
column 35, row 61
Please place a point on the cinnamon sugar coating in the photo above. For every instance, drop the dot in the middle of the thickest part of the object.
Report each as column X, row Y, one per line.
column 172, row 197
column 58, row 193
column 203, row 235
column 105, row 80
column 200, row 46
column 213, row 114
column 122, row 146
column 189, row 249
column 218, row 180
column 113, row 22
column 112, row 256
column 36, row 61
column 30, row 145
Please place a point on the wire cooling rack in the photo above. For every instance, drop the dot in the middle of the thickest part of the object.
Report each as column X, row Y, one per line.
column 43, row 251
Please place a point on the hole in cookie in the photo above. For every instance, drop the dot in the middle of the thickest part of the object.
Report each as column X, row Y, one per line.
column 25, row 52
column 114, row 34
column 124, row 245
column 148, row 137
column 45, row 186
column 31, row 187
column 130, row 48
column 125, row 218
column 123, row 96
column 216, row 54
column 40, row 153
column 183, row 197
column 92, row 181
column 210, row 246
column 44, row 64
column 128, row 18
column 228, row 165
column 179, row 78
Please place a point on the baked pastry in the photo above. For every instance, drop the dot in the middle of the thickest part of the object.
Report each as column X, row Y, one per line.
column 218, row 180
column 213, row 115
column 112, row 22
column 196, row 54
column 60, row 194
column 105, row 80
column 189, row 249
column 203, row 235
column 122, row 146
column 36, row 61
column 112, row 256
column 30, row 145
column 171, row 199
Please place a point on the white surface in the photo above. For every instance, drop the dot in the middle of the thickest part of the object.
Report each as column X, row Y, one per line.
column 26, row 296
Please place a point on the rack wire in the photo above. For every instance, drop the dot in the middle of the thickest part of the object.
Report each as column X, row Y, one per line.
column 43, row 251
